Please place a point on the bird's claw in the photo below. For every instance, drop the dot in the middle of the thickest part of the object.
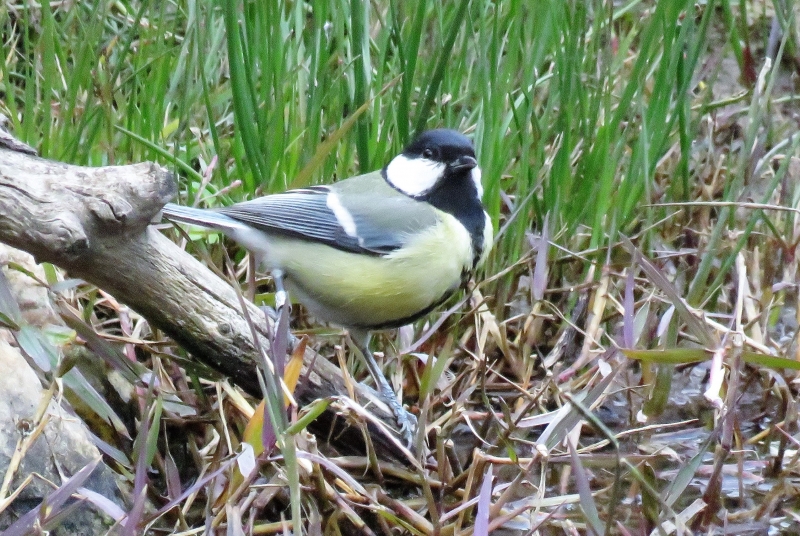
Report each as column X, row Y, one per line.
column 406, row 422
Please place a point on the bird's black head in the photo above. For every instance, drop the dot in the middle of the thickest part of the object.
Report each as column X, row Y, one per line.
column 445, row 146
column 440, row 168
column 434, row 158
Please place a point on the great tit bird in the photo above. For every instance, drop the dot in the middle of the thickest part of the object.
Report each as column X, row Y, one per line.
column 375, row 251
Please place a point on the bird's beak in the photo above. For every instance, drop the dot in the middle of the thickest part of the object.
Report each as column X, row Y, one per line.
column 464, row 163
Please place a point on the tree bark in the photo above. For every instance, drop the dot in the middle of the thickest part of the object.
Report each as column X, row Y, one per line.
column 95, row 224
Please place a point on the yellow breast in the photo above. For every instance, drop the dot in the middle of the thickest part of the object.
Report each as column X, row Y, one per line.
column 358, row 290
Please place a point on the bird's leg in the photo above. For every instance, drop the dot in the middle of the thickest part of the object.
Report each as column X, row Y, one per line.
column 281, row 297
column 280, row 334
column 405, row 420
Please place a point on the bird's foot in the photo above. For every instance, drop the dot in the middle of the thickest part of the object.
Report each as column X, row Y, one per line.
column 406, row 422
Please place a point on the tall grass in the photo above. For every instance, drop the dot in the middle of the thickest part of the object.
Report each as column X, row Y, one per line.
column 261, row 88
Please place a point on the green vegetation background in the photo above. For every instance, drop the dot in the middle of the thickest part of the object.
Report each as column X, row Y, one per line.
column 571, row 104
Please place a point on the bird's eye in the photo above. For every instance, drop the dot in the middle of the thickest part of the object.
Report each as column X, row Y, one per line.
column 427, row 153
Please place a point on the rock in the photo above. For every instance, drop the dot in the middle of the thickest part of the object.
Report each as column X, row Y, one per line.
column 65, row 445
column 30, row 294
column 62, row 449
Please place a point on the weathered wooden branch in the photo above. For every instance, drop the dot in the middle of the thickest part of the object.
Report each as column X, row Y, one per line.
column 95, row 224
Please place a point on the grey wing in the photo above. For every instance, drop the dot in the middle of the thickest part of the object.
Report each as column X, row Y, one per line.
column 375, row 220
column 300, row 213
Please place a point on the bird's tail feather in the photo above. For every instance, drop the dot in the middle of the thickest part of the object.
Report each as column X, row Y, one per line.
column 200, row 217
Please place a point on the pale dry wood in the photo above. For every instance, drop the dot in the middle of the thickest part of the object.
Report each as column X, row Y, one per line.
column 95, row 224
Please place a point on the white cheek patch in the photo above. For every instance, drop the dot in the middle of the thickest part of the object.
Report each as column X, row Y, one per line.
column 414, row 176
column 343, row 215
column 476, row 178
